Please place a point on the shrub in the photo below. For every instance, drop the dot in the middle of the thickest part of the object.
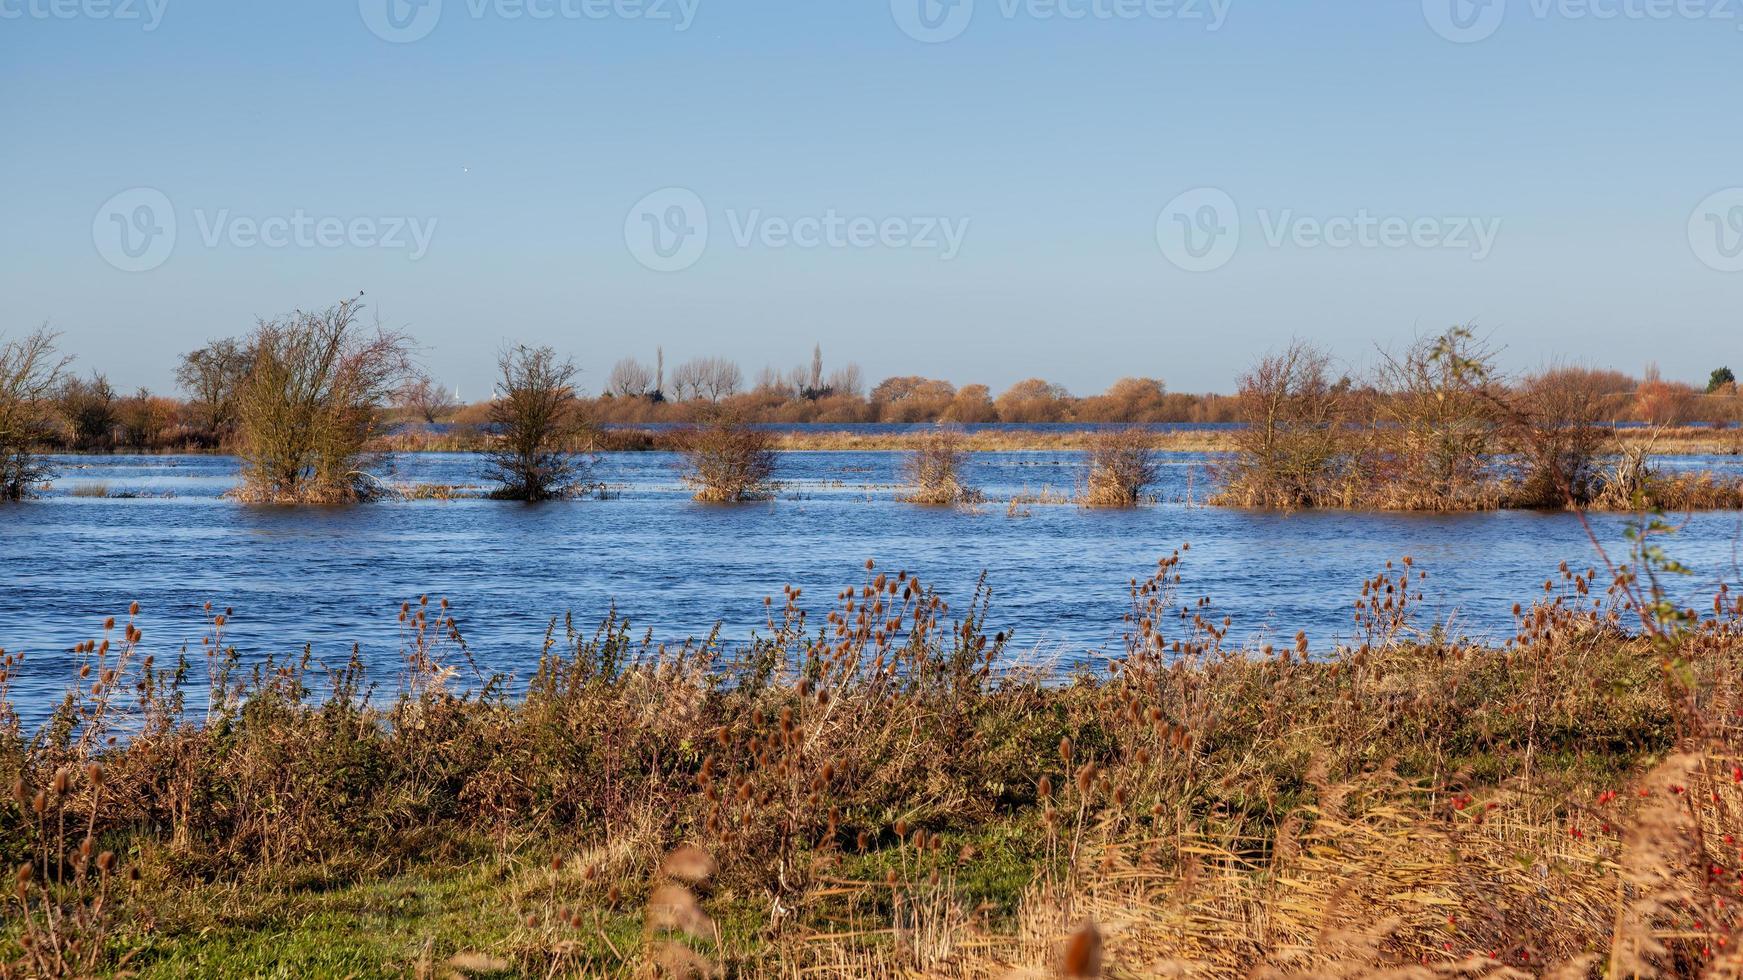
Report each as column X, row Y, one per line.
column 934, row 470
column 728, row 461
column 1289, row 451
column 1560, row 435
column 1122, row 465
column 536, row 419
column 29, row 371
column 311, row 401
column 1437, row 418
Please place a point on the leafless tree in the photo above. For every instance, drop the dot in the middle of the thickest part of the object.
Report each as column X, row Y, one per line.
column 847, row 381
column 210, row 377
column 1033, row 400
column 712, row 378
column 30, row 371
column 87, row 406
column 142, row 418
column 536, row 417
column 630, row 378
column 311, row 401
column 425, row 399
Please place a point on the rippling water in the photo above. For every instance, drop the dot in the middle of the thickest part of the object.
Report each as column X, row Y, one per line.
column 167, row 537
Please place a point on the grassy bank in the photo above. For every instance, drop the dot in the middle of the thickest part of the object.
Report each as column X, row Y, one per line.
column 1679, row 441
column 868, row 793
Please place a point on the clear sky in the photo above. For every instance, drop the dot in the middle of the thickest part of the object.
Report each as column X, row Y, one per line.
column 981, row 192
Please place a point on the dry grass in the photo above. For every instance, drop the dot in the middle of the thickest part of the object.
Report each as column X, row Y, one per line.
column 872, row 793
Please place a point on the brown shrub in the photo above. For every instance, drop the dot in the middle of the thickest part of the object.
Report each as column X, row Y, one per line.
column 729, row 461
column 1122, row 466
column 1291, row 451
column 934, row 470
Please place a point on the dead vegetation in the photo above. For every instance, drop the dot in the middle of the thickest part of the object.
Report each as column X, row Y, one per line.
column 878, row 791
column 934, row 470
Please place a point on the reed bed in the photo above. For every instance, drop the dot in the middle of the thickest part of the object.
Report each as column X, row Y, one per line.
column 879, row 791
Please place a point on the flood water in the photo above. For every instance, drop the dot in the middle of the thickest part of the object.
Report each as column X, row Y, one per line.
column 164, row 534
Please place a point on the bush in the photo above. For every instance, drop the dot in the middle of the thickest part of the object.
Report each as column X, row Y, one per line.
column 1560, row 436
column 311, row 401
column 728, row 461
column 1122, row 465
column 1438, row 418
column 29, row 372
column 1289, row 451
column 934, row 470
column 536, row 419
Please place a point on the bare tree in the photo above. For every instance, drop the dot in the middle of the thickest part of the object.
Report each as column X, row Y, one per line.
column 816, row 381
column 210, row 378
column 721, row 378
column 712, row 378
column 142, row 418
column 312, row 400
column 847, row 381
column 87, row 406
column 30, row 370
column 425, row 399
column 536, row 417
column 630, row 378
column 687, row 381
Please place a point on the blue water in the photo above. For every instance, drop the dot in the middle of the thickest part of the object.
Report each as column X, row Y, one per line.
column 336, row 575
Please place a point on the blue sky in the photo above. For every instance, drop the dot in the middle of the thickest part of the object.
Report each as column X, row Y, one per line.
column 1599, row 152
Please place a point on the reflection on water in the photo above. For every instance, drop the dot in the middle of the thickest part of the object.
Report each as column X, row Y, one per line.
column 165, row 536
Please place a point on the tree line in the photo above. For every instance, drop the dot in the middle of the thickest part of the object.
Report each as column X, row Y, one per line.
column 300, row 398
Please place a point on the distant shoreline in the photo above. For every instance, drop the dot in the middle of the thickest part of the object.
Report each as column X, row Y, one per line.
column 1693, row 440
